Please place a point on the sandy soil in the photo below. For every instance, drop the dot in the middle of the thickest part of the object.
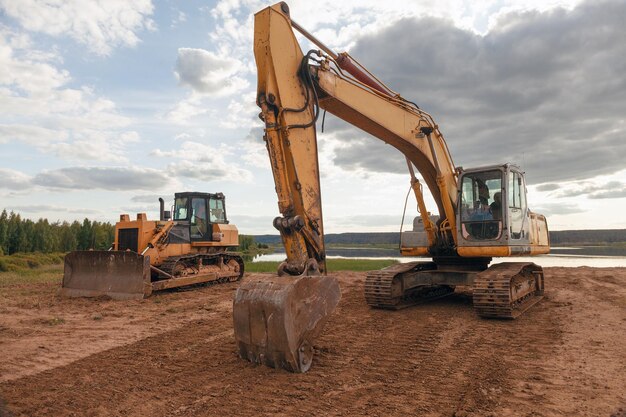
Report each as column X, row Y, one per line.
column 174, row 354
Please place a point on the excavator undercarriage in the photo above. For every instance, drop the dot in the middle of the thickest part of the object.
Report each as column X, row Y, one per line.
column 503, row 290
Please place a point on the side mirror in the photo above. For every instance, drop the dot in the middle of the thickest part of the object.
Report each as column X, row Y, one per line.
column 167, row 215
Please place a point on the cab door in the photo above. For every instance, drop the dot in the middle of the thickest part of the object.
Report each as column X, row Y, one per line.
column 517, row 207
column 199, row 222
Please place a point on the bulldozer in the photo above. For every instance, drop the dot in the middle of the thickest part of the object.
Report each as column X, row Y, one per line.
column 482, row 212
column 190, row 247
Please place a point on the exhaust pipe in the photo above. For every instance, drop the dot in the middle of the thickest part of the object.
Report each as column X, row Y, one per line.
column 161, row 209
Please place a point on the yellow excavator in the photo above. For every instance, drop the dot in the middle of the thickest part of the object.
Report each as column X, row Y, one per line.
column 482, row 212
column 150, row 255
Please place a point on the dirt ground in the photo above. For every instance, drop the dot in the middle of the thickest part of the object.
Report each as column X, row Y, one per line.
column 174, row 354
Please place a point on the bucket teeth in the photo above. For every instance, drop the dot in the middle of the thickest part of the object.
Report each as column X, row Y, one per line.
column 277, row 319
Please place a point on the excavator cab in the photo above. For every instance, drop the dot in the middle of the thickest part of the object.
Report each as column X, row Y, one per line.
column 481, row 205
column 494, row 217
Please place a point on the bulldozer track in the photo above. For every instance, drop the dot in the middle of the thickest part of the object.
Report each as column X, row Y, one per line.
column 379, row 287
column 495, row 294
column 172, row 262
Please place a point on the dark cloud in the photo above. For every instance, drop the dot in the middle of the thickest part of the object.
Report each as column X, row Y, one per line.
column 548, row 187
column 103, row 178
column 546, row 91
column 612, row 189
column 372, row 156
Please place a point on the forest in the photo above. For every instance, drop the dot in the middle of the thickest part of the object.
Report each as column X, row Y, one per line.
column 24, row 235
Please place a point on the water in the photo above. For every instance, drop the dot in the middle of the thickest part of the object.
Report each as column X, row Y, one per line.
column 564, row 257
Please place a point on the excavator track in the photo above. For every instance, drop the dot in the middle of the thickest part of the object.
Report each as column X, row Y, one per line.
column 508, row 289
column 384, row 290
column 186, row 266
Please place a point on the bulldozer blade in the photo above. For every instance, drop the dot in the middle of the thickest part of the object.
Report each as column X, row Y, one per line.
column 121, row 275
column 277, row 318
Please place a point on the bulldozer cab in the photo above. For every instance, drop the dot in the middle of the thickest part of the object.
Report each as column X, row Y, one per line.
column 199, row 211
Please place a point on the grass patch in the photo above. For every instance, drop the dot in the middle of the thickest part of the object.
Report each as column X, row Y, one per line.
column 31, row 268
column 48, row 274
column 341, row 264
column 20, row 262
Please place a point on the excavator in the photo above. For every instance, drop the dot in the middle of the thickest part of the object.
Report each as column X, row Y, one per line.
column 482, row 212
column 150, row 255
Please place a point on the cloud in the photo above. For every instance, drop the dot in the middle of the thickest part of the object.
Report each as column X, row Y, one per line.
column 543, row 90
column 101, row 26
column 251, row 224
column 548, row 187
column 206, row 72
column 13, row 180
column 46, row 208
column 145, row 198
column 553, row 209
column 255, row 151
column 367, row 220
column 203, row 162
column 24, row 68
column 619, row 193
column 355, row 152
column 611, row 189
column 103, row 178
column 39, row 109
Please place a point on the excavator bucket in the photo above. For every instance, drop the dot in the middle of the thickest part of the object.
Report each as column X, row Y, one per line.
column 121, row 275
column 278, row 318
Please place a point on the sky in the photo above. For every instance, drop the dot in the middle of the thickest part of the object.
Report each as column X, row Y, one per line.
column 107, row 105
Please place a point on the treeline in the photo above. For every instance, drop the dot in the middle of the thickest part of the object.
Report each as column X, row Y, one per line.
column 25, row 235
column 247, row 243
column 588, row 237
column 561, row 237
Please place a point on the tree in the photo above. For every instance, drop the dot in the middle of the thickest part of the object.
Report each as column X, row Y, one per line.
column 4, row 225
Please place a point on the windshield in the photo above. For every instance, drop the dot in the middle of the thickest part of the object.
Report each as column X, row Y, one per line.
column 481, row 199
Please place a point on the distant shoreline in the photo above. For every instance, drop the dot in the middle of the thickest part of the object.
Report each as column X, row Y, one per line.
column 564, row 238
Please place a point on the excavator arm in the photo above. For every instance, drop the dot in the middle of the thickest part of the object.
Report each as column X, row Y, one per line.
column 292, row 87
column 276, row 318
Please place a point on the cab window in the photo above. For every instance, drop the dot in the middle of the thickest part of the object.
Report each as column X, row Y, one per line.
column 199, row 226
column 216, row 211
column 180, row 208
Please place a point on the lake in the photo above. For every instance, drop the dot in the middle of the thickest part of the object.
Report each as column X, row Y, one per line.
column 593, row 256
